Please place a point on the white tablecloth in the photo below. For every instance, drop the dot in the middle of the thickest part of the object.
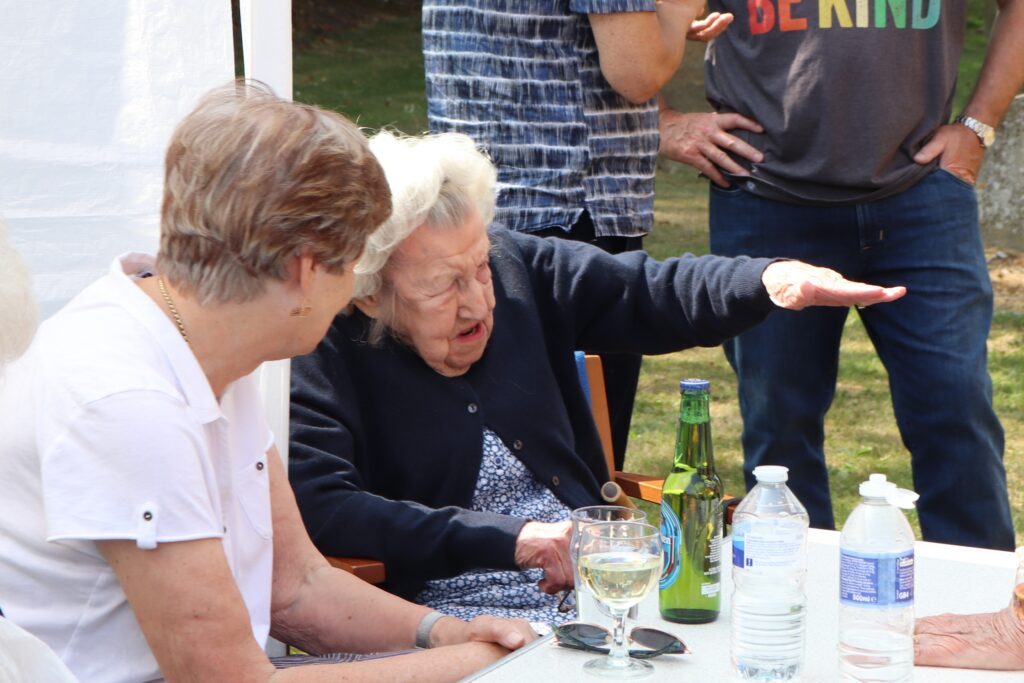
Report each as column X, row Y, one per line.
column 948, row 579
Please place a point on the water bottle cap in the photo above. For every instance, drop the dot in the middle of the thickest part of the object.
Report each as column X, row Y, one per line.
column 694, row 385
column 878, row 486
column 771, row 474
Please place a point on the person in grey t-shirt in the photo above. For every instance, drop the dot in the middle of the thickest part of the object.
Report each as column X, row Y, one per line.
column 830, row 143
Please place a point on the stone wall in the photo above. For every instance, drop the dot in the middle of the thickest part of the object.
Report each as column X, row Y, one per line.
column 1001, row 184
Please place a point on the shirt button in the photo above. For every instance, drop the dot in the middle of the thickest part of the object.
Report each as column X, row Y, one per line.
column 517, row 444
column 472, row 408
column 555, row 481
column 259, row 466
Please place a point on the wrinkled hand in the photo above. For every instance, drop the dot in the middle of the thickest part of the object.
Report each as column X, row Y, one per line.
column 710, row 27
column 511, row 634
column 701, row 140
column 971, row 641
column 546, row 546
column 795, row 285
column 959, row 151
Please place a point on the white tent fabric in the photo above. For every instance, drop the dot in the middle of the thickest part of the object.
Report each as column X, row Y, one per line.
column 267, row 43
column 90, row 91
column 267, row 46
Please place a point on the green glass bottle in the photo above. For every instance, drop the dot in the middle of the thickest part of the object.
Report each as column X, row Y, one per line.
column 691, row 516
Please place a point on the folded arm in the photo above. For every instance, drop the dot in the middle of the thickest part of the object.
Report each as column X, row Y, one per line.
column 640, row 51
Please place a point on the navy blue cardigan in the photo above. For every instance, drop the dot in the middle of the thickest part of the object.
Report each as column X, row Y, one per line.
column 385, row 452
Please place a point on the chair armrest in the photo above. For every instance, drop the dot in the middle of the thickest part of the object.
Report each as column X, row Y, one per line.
column 371, row 571
column 649, row 489
column 640, row 486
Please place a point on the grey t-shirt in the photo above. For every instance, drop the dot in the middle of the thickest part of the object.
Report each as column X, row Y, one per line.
column 847, row 95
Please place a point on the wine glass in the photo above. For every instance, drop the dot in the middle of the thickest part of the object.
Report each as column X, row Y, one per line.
column 587, row 608
column 620, row 562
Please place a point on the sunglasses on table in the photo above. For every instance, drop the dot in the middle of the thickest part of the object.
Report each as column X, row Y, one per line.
column 591, row 638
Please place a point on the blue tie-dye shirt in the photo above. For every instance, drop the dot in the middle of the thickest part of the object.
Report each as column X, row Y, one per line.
column 522, row 78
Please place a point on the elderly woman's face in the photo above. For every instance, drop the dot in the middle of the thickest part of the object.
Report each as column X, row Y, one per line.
column 439, row 281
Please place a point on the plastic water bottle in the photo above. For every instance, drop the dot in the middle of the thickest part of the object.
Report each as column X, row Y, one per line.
column 876, row 586
column 769, row 558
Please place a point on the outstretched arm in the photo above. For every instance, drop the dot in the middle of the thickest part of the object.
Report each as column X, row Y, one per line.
column 795, row 285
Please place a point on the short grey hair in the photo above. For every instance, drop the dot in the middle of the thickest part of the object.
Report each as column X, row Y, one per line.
column 18, row 312
column 437, row 180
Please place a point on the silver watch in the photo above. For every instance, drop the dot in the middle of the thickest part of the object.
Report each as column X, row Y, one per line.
column 986, row 133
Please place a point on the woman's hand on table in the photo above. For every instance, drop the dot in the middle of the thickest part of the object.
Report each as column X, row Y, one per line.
column 511, row 634
column 795, row 285
column 544, row 545
column 971, row 641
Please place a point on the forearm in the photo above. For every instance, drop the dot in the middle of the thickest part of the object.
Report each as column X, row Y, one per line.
column 640, row 51
column 334, row 611
column 361, row 524
column 1002, row 73
column 444, row 664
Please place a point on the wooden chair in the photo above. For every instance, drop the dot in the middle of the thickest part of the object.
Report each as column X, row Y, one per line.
column 639, row 486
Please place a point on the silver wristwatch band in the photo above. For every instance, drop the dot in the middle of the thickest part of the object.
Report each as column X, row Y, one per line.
column 423, row 630
column 986, row 133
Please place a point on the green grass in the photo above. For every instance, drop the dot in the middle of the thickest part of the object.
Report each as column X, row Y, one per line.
column 861, row 434
column 374, row 74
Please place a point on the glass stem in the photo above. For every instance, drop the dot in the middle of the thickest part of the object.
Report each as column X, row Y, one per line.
column 618, row 654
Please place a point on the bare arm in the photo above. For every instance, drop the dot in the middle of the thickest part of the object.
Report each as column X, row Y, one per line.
column 641, row 51
column 194, row 619
column 1002, row 74
column 323, row 609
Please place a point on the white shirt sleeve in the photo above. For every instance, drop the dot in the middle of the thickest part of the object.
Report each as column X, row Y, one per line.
column 135, row 466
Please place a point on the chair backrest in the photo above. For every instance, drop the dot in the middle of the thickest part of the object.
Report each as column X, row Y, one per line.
column 591, row 373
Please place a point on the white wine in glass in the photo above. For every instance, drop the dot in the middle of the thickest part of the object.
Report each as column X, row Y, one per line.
column 620, row 562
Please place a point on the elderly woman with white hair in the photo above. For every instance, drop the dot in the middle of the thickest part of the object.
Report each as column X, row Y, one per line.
column 148, row 528
column 440, row 426
column 22, row 655
column 17, row 307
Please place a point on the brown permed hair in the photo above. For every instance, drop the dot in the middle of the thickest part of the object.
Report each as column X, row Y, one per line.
column 252, row 180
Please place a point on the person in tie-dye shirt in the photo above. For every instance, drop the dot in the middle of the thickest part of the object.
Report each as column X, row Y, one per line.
column 560, row 93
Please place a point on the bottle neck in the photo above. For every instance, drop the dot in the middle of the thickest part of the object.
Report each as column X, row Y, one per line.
column 693, row 432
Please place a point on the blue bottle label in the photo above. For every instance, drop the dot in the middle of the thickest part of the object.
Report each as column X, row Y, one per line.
column 671, row 539
column 876, row 579
column 769, row 547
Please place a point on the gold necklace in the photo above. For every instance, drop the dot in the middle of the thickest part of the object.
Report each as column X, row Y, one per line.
column 174, row 310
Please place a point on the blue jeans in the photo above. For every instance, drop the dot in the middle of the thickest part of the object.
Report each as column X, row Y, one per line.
column 931, row 342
